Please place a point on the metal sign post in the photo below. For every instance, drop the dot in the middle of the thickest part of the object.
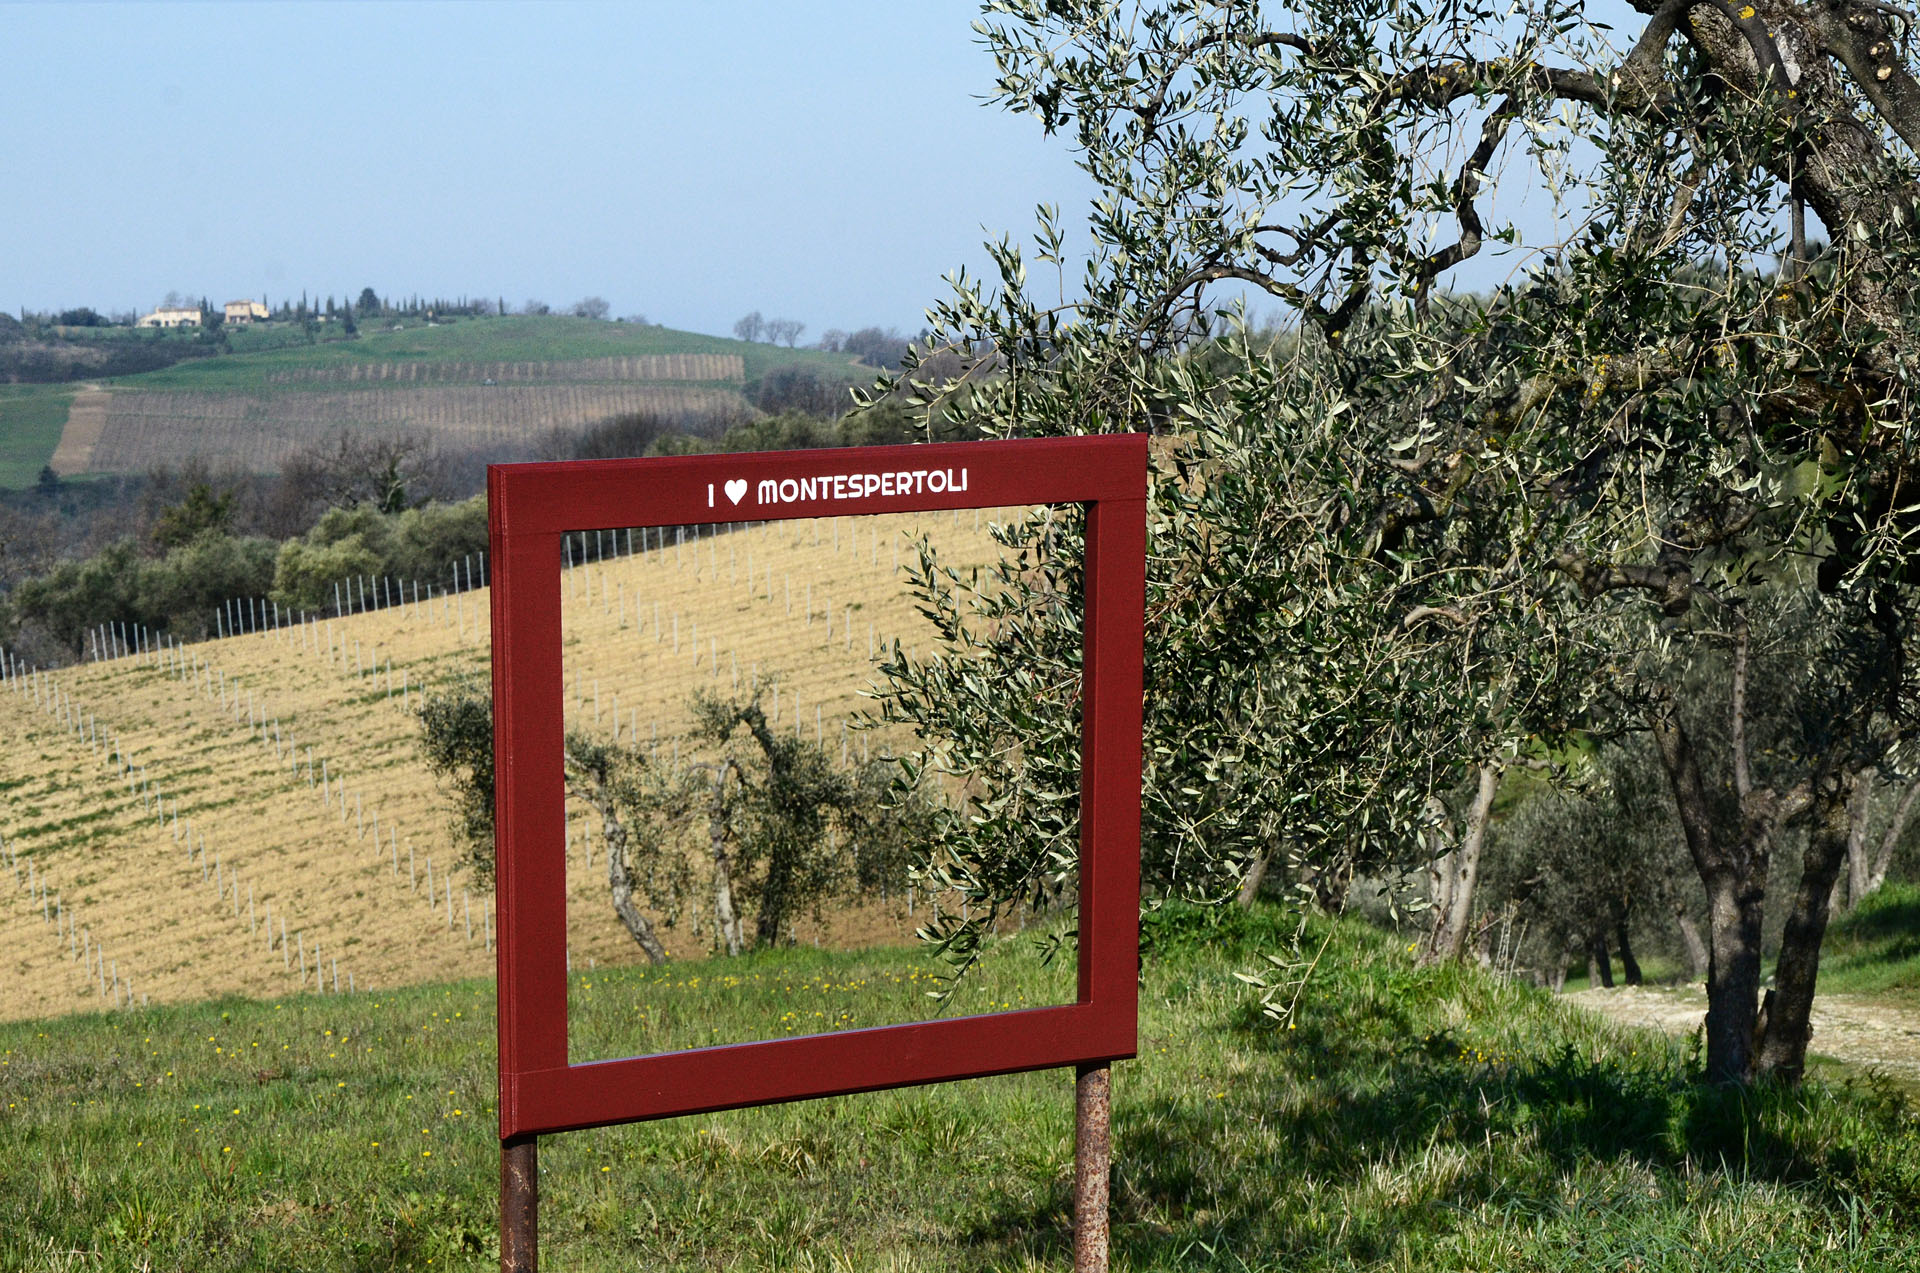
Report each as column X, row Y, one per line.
column 520, row 1204
column 529, row 508
column 1092, row 1155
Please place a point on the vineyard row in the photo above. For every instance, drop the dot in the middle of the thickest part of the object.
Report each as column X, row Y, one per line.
column 260, row 431
column 641, row 367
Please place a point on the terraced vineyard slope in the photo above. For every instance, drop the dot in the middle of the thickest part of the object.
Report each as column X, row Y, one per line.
column 251, row 815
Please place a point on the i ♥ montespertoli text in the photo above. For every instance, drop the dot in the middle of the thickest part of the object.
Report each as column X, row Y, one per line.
column 837, row 486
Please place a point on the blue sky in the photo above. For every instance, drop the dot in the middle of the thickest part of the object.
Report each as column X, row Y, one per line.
column 823, row 161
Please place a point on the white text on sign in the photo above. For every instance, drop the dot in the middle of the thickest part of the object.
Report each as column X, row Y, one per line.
column 843, row 486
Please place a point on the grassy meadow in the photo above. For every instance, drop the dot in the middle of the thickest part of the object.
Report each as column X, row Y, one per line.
column 1875, row 948
column 31, row 417
column 1410, row 1119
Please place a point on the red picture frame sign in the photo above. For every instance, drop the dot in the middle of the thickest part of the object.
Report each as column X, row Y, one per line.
column 530, row 506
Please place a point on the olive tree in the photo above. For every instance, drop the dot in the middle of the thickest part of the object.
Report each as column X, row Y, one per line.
column 781, row 830
column 1323, row 660
column 1678, row 400
column 1595, row 863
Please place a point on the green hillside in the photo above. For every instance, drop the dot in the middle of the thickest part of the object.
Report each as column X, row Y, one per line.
column 487, row 385
column 547, row 337
column 31, row 417
column 1411, row 1119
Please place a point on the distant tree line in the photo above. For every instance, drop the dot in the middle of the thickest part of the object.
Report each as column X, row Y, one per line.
column 775, row 331
column 349, row 505
column 48, row 347
column 880, row 348
column 195, row 537
column 33, row 349
column 597, row 308
column 643, row 433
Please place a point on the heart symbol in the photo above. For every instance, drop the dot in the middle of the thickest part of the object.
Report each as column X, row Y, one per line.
column 736, row 488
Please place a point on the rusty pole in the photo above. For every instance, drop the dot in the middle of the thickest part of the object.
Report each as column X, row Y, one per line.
column 1092, row 1152
column 519, row 1205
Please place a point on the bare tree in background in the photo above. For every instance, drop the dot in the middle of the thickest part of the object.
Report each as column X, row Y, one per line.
column 388, row 471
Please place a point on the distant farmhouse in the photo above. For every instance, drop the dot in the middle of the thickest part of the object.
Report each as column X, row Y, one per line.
column 170, row 316
column 246, row 312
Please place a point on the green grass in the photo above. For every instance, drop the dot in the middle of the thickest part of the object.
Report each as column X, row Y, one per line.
column 1411, row 1119
column 31, row 418
column 1875, row 948
column 259, row 352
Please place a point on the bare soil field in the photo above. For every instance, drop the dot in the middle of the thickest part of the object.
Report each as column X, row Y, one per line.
column 157, row 808
column 86, row 422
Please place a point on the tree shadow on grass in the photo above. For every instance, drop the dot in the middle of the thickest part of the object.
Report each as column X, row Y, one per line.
column 1266, row 1174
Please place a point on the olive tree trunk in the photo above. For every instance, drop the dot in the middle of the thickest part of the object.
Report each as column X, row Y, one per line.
column 1629, row 966
column 1250, row 882
column 1789, row 1026
column 726, row 920
column 1736, row 904
column 1690, row 938
column 1733, row 870
column 1455, row 873
column 1867, row 864
column 620, row 883
column 1599, row 964
column 774, row 892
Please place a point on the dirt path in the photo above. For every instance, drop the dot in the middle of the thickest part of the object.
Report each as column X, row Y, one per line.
column 1860, row 1031
column 86, row 420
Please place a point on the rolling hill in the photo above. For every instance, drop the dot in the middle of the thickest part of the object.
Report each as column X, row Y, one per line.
column 497, row 384
column 251, row 814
